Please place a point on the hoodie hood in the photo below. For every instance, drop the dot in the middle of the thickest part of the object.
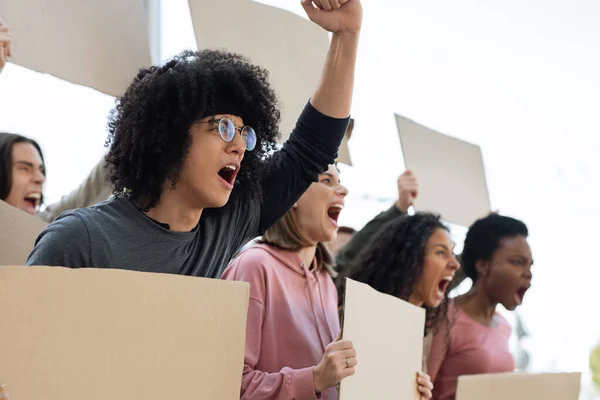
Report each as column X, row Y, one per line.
column 287, row 258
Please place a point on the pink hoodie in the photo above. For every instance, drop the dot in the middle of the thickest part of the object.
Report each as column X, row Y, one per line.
column 292, row 317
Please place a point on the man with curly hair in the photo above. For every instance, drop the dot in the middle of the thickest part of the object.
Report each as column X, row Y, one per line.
column 191, row 159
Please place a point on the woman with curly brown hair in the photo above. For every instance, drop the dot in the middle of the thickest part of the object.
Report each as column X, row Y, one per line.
column 190, row 159
column 410, row 258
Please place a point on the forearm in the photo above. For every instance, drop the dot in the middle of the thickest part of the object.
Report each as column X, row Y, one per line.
column 333, row 96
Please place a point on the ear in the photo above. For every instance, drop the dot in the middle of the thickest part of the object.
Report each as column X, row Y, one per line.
column 483, row 268
column 295, row 205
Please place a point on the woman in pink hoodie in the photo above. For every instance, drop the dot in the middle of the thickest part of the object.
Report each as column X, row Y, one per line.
column 292, row 351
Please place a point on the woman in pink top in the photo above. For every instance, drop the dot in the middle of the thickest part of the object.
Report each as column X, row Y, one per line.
column 411, row 258
column 293, row 325
column 498, row 260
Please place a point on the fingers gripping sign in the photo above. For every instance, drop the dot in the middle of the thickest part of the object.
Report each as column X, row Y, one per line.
column 338, row 362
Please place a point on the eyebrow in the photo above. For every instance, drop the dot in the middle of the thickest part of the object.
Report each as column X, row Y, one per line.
column 444, row 246
column 31, row 165
column 523, row 258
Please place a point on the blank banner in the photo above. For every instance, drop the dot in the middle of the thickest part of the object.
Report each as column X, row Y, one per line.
column 387, row 334
column 519, row 386
column 100, row 44
column 18, row 231
column 98, row 334
column 450, row 172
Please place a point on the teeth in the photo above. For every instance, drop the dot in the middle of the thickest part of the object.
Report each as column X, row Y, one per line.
column 36, row 196
column 340, row 206
column 231, row 167
column 447, row 278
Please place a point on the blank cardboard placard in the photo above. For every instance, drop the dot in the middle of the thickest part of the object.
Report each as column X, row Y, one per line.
column 100, row 44
column 450, row 172
column 290, row 47
column 387, row 334
column 18, row 231
column 113, row 334
column 519, row 386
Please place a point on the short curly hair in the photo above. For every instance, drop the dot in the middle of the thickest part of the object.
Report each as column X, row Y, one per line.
column 393, row 261
column 149, row 127
column 483, row 239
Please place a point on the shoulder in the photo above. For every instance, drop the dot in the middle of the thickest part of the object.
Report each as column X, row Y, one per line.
column 64, row 242
column 255, row 266
column 69, row 224
column 253, row 263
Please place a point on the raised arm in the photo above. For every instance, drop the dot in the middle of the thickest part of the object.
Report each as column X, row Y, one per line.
column 408, row 191
column 314, row 142
column 333, row 96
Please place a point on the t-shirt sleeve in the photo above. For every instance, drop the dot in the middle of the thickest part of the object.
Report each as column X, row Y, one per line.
column 65, row 242
column 311, row 148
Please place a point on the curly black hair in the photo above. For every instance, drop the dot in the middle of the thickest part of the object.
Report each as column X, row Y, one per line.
column 149, row 127
column 393, row 261
column 483, row 239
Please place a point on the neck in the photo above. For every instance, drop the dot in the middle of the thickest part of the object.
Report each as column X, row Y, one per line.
column 174, row 210
column 477, row 303
column 307, row 255
column 415, row 300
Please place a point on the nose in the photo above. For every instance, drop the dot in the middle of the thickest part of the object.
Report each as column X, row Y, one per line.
column 342, row 190
column 39, row 178
column 237, row 145
column 454, row 264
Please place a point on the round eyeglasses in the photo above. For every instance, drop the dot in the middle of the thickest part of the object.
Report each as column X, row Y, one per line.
column 227, row 130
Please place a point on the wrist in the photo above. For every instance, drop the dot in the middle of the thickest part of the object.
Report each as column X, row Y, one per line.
column 401, row 207
column 317, row 381
column 346, row 36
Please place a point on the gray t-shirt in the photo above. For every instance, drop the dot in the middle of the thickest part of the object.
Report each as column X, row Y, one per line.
column 115, row 234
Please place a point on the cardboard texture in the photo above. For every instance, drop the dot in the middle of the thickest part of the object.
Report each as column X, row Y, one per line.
column 290, row 47
column 100, row 44
column 450, row 172
column 18, row 231
column 95, row 334
column 387, row 334
column 519, row 386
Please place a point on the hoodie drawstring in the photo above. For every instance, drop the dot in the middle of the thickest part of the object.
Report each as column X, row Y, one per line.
column 312, row 305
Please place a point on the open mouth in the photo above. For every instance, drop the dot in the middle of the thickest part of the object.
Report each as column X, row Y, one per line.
column 333, row 212
column 32, row 201
column 520, row 295
column 443, row 284
column 228, row 173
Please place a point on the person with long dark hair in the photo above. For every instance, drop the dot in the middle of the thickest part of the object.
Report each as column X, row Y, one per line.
column 23, row 174
column 411, row 258
column 475, row 338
